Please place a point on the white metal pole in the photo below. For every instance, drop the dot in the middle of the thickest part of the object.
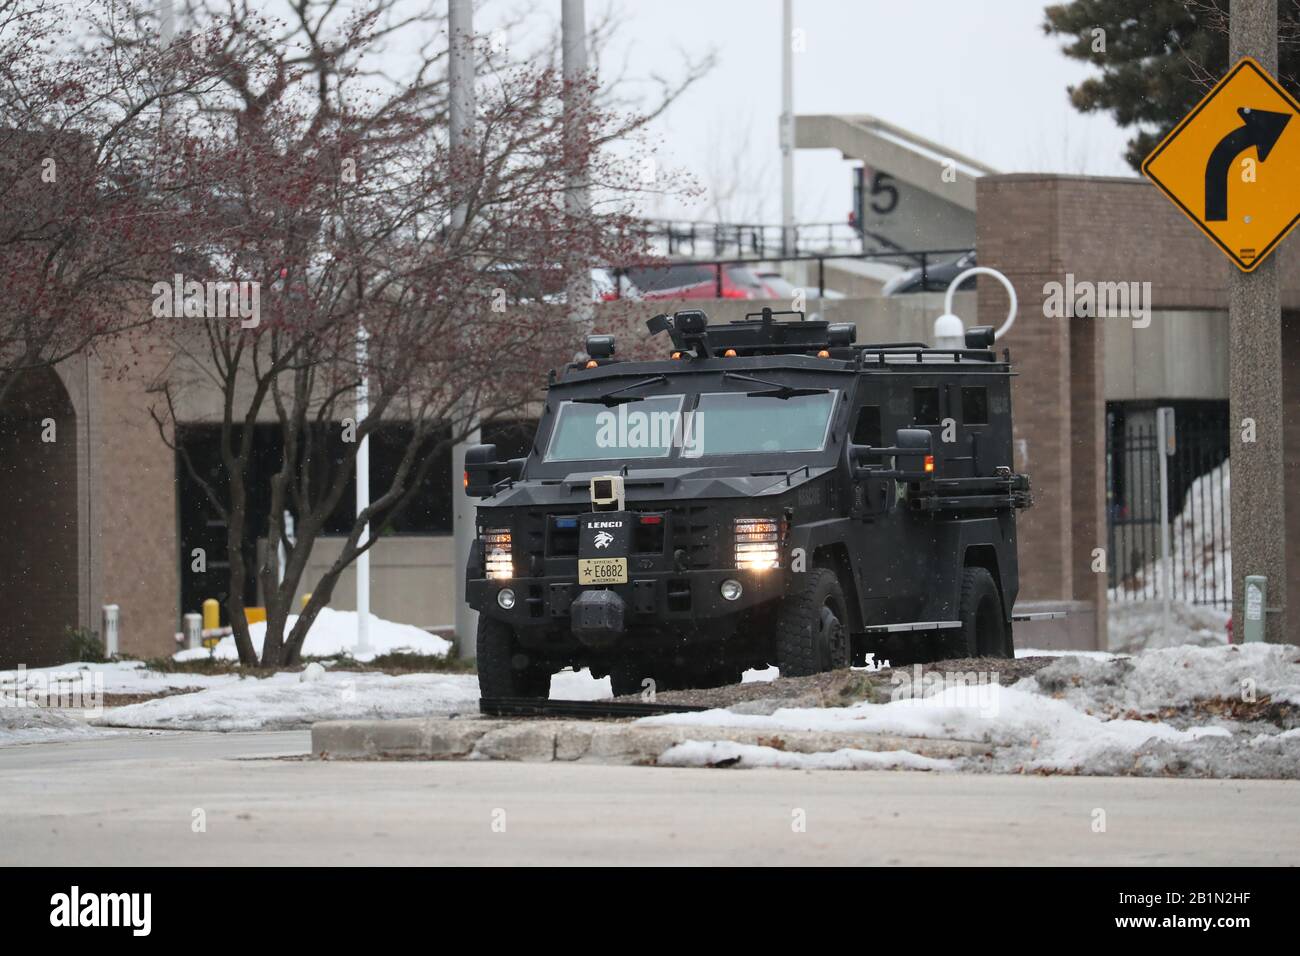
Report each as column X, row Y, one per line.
column 577, row 201
column 1167, row 577
column 787, row 128
column 112, row 618
column 460, row 28
column 363, row 494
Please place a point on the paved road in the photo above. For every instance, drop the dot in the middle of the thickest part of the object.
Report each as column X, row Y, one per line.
column 131, row 800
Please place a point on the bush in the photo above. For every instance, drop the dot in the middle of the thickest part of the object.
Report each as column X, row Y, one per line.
column 85, row 645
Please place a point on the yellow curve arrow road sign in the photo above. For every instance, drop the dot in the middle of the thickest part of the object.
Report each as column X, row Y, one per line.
column 1233, row 164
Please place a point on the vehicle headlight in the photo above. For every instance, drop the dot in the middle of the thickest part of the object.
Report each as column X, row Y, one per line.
column 758, row 544
column 497, row 561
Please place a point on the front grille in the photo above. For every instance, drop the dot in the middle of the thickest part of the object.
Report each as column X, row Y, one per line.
column 693, row 534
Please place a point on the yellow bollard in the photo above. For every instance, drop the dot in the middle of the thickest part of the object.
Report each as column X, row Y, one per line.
column 211, row 614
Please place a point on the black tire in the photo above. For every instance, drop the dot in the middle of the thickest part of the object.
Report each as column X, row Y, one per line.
column 812, row 633
column 984, row 631
column 625, row 678
column 504, row 668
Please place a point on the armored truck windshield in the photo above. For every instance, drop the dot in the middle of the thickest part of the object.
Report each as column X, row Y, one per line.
column 761, row 421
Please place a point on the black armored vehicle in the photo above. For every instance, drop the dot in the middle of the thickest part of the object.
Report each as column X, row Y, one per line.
column 772, row 493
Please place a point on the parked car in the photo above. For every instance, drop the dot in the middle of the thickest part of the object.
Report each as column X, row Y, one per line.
column 692, row 281
column 936, row 279
column 776, row 285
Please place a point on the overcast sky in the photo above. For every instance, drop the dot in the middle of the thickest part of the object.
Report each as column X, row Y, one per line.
column 978, row 76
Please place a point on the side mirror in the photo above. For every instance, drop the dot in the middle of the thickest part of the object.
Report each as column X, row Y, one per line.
column 912, row 452
column 483, row 472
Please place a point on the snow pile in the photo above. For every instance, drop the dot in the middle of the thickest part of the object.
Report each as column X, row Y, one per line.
column 1157, row 713
column 1200, row 546
column 335, row 632
column 725, row 753
column 1045, row 733
column 1137, row 625
column 1175, row 677
column 115, row 677
column 22, row 722
column 284, row 701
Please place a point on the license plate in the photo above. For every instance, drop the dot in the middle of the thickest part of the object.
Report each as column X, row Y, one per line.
column 602, row 570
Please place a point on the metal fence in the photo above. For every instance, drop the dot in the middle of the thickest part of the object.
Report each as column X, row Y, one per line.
column 1199, row 476
column 752, row 241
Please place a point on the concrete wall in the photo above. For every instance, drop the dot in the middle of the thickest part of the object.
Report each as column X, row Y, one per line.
column 412, row 579
column 1182, row 355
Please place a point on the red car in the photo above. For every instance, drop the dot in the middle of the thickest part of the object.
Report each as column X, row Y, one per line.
column 690, row 281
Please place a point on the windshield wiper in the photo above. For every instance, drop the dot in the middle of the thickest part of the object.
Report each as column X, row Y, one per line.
column 775, row 389
column 614, row 398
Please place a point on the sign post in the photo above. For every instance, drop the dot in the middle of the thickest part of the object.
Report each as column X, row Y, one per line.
column 1233, row 167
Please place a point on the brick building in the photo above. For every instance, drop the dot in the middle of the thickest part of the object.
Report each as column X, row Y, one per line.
column 98, row 514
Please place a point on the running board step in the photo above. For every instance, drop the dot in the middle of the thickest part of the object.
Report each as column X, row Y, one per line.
column 1040, row 615
column 911, row 626
column 582, row 709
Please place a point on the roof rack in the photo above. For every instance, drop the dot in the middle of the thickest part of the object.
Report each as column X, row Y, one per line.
column 758, row 333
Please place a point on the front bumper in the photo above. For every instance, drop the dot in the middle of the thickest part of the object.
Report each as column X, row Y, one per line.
column 682, row 600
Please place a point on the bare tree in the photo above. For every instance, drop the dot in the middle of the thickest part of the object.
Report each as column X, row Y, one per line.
column 336, row 197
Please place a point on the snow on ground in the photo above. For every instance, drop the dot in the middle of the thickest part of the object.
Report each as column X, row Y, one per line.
column 23, row 722
column 284, row 700
column 1091, row 655
column 1139, row 625
column 287, row 700
column 725, row 753
column 114, row 677
column 335, row 632
column 1200, row 546
column 1200, row 560
column 579, row 685
column 1086, row 715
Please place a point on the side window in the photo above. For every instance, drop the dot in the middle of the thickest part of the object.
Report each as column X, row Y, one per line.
column 866, row 431
column 974, row 405
column 925, row 406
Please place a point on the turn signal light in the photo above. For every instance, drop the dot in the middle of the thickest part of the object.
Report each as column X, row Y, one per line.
column 592, row 363
column 730, row 353
column 929, row 464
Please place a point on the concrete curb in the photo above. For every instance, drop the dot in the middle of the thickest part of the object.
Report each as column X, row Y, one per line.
column 543, row 741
